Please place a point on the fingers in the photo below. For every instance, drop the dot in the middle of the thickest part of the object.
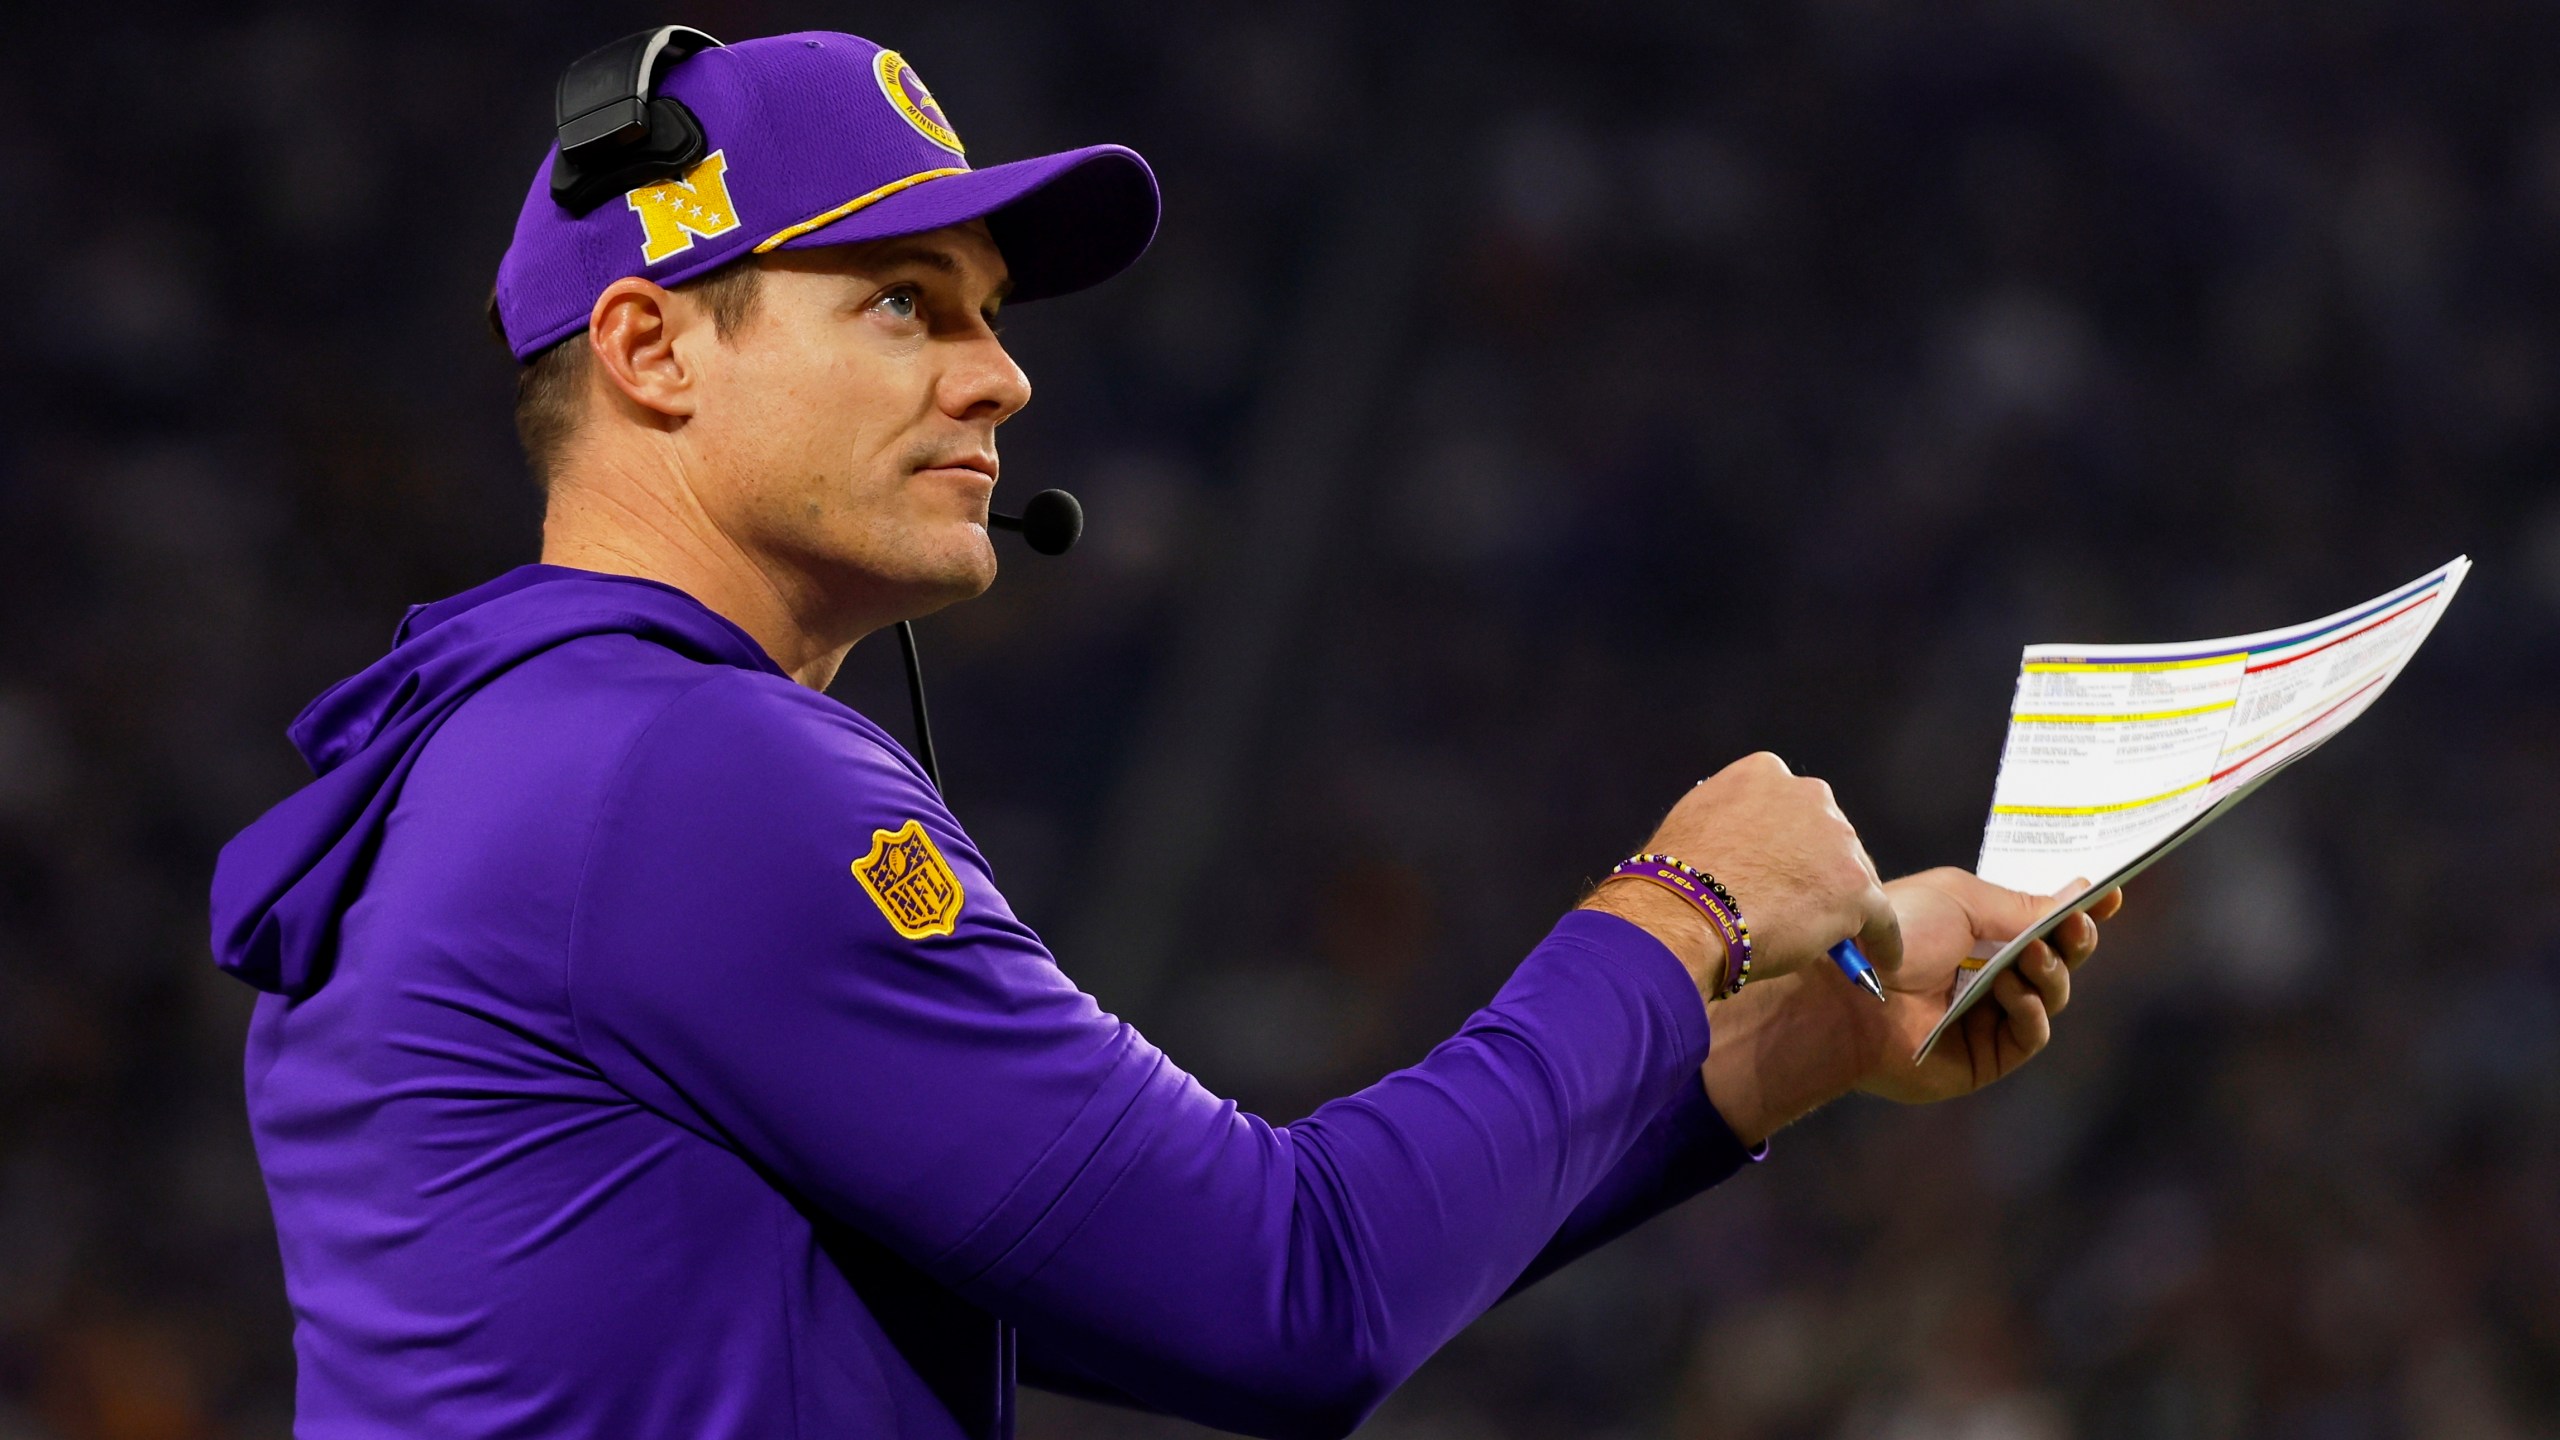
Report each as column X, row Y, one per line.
column 2023, row 1011
column 2075, row 939
column 1779, row 842
column 1879, row 925
column 2027, row 996
column 1881, row 933
column 2049, row 974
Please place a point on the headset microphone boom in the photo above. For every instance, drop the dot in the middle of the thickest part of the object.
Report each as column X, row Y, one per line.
column 1051, row 522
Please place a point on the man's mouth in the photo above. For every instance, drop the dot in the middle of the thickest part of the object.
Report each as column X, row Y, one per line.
column 980, row 464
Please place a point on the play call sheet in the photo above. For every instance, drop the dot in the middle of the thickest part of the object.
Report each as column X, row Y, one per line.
column 2118, row 752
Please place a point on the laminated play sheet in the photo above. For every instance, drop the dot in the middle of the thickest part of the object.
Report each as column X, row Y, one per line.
column 2117, row 753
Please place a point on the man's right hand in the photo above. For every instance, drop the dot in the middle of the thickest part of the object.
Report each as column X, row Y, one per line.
column 1791, row 860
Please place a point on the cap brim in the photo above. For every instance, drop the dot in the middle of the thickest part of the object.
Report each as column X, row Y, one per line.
column 1063, row 221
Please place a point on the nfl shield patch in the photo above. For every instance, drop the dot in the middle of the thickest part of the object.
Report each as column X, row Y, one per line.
column 910, row 881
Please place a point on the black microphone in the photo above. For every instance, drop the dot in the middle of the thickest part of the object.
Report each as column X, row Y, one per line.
column 1050, row 522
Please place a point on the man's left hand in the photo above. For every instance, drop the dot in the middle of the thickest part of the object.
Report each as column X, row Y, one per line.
column 1787, row 1047
column 1946, row 914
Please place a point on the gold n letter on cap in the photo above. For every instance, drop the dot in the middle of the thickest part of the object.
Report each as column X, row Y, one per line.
column 673, row 212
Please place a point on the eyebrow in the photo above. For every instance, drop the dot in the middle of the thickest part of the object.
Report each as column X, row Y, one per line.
column 934, row 257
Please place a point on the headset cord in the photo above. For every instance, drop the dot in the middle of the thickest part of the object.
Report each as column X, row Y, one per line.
column 915, row 689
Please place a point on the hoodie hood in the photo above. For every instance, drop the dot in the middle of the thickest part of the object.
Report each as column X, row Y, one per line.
column 281, row 886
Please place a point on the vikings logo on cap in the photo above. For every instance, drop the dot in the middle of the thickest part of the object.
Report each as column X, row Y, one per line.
column 673, row 212
column 909, row 880
column 905, row 89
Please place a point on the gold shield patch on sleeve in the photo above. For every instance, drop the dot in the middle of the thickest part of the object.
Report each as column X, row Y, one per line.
column 910, row 882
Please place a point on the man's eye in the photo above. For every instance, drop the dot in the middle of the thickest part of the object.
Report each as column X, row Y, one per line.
column 899, row 303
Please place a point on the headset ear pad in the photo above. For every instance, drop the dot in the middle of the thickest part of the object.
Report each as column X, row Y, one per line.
column 614, row 135
column 674, row 142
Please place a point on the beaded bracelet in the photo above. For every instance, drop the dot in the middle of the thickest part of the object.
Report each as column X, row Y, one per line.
column 1714, row 901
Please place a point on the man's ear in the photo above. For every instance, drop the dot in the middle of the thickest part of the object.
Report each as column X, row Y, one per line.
column 639, row 334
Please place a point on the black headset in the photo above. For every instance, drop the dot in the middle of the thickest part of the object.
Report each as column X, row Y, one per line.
column 614, row 137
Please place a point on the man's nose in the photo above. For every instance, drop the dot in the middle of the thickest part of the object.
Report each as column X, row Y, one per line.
column 985, row 383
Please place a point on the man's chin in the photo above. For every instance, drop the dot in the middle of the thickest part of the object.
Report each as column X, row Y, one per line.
column 975, row 571
column 965, row 576
column 885, row 589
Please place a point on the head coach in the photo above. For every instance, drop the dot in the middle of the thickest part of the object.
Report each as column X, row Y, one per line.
column 646, row 1051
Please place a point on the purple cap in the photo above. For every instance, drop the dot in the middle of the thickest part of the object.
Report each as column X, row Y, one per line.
column 819, row 139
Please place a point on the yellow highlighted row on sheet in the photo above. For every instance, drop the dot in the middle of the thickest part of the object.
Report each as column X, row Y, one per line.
column 2046, row 667
column 2123, row 719
column 2100, row 809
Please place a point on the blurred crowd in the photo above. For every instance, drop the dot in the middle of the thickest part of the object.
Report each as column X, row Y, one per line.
column 1703, row 379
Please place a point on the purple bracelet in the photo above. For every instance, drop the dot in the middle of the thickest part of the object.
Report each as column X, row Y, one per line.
column 1713, row 901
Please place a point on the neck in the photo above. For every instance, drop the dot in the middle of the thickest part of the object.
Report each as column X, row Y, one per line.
column 654, row 527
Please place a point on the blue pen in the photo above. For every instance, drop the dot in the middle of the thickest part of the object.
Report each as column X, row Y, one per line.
column 1853, row 963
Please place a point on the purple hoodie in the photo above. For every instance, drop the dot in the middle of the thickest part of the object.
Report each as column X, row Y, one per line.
column 647, row 1052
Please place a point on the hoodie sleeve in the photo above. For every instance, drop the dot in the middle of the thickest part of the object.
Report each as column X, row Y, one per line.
column 1687, row 1148
column 784, row 943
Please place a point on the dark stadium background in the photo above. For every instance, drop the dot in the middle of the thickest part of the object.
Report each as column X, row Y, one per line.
column 1525, row 409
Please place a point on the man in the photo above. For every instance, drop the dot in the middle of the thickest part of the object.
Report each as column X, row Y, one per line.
column 648, row 1052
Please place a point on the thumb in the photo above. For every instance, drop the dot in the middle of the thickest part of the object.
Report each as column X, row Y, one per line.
column 1998, row 913
column 1880, row 933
